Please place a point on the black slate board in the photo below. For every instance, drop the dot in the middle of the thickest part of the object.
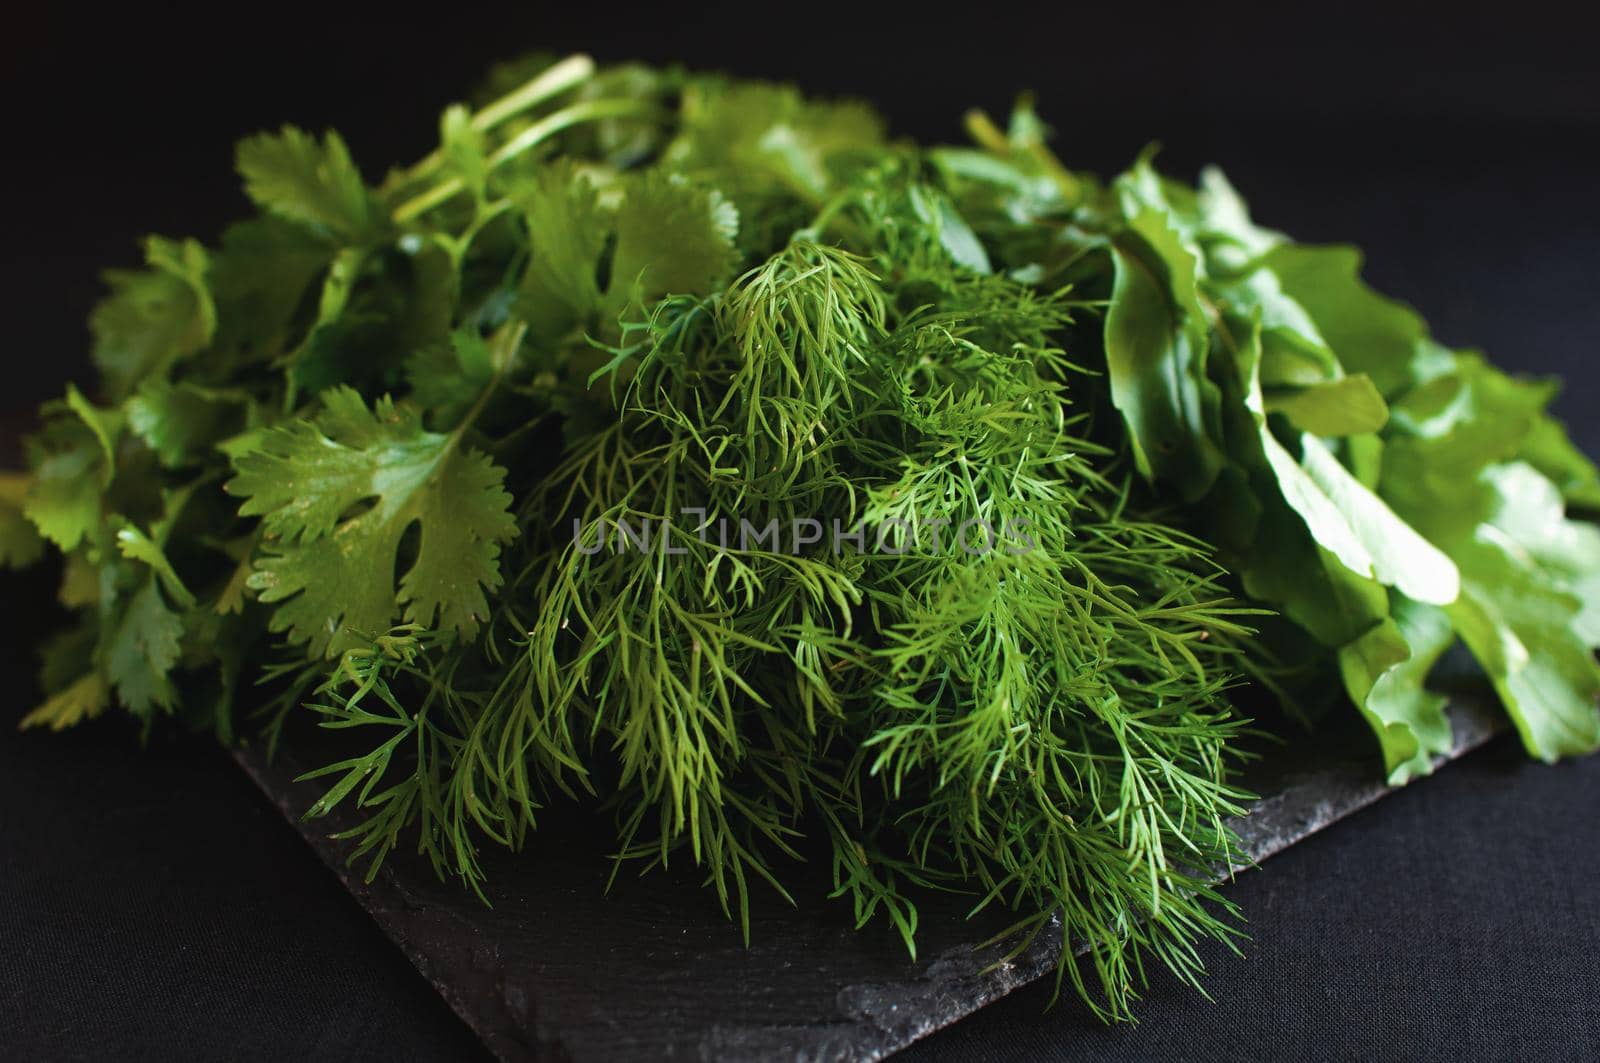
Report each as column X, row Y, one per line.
column 559, row 969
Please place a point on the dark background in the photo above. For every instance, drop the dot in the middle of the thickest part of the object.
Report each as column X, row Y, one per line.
column 153, row 906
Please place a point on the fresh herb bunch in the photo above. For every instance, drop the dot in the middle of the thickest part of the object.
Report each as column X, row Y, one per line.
column 470, row 464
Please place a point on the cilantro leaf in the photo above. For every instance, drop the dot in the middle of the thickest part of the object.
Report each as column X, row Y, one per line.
column 318, row 185
column 667, row 237
column 135, row 545
column 142, row 646
column 765, row 135
column 561, row 210
column 180, row 422
column 448, row 380
column 83, row 699
column 336, row 498
column 73, row 462
column 260, row 278
column 154, row 317
column 672, row 238
column 20, row 544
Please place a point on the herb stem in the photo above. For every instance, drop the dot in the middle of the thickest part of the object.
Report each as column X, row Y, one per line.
column 542, row 130
column 551, row 82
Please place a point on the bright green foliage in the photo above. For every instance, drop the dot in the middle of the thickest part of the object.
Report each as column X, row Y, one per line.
column 336, row 497
column 153, row 318
column 20, row 543
column 292, row 176
column 681, row 447
column 1156, row 355
column 1346, row 515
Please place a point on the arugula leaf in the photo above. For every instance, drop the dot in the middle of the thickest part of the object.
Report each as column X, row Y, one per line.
column 1509, row 420
column 1323, row 549
column 1371, row 334
column 1523, row 627
column 1386, row 547
column 1384, row 671
column 1156, row 343
column 1529, row 611
column 1529, row 513
column 1342, row 514
column 336, row 498
column 1345, row 407
column 1222, row 223
column 1549, row 449
column 1287, row 568
column 1527, row 572
column 1293, row 352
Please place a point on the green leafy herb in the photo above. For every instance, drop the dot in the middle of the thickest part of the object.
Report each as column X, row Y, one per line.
column 681, row 448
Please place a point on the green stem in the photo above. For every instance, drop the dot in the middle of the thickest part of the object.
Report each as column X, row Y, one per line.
column 567, row 74
column 543, row 129
column 505, row 344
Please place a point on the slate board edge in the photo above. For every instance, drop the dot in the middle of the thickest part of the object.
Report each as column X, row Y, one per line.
column 1312, row 798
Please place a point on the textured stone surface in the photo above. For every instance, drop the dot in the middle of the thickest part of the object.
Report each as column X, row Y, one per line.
column 556, row 968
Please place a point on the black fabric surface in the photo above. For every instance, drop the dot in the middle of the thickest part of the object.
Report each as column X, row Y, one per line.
column 153, row 906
